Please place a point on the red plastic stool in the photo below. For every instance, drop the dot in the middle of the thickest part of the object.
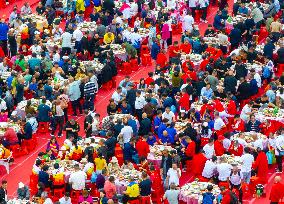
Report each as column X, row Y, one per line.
column 156, row 197
column 33, row 183
column 134, row 201
column 58, row 192
column 28, row 145
column 146, row 59
column 145, row 200
column 75, row 194
column 126, row 70
column 188, row 164
column 16, row 149
column 43, row 127
column 134, row 64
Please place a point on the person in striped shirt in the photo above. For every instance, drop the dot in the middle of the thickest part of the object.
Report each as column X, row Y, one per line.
column 90, row 89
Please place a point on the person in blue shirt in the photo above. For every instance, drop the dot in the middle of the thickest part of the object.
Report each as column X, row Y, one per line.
column 168, row 101
column 155, row 49
column 48, row 90
column 207, row 92
column 132, row 123
column 162, row 127
column 151, row 140
column 157, row 121
column 4, row 28
column 43, row 176
column 129, row 151
column 243, row 10
column 33, row 85
column 27, row 133
column 218, row 21
column 43, row 111
column 33, row 62
column 171, row 132
column 268, row 49
column 125, row 108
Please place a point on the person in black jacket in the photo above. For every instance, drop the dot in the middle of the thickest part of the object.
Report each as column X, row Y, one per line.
column 241, row 70
column 145, row 125
column 230, row 82
column 110, row 144
column 243, row 91
column 131, row 96
column 166, row 163
column 3, row 192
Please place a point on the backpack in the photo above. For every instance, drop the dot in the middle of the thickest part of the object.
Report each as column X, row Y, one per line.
column 266, row 72
column 94, row 177
column 234, row 198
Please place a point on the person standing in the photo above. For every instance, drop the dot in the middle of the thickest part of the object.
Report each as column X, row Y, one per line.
column 74, row 94
column 276, row 193
column 3, row 192
column 279, row 142
column 90, row 90
column 66, row 39
column 4, row 28
column 78, row 179
column 247, row 160
column 77, row 35
column 59, row 118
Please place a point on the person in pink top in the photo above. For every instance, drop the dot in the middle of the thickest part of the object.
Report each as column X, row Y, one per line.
column 3, row 116
column 10, row 137
column 85, row 197
column 165, row 35
column 110, row 188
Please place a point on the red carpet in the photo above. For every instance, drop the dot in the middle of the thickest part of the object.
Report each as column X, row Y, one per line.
column 21, row 169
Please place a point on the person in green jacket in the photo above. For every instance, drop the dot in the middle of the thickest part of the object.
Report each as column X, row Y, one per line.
column 21, row 62
column 130, row 50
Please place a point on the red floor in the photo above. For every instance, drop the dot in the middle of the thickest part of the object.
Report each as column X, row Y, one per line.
column 21, row 169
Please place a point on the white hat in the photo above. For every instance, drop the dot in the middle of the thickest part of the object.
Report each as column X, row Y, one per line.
column 113, row 160
column 84, row 160
column 46, row 31
column 65, row 57
column 182, row 111
column 14, row 113
column 21, row 185
column 205, row 124
column 37, row 33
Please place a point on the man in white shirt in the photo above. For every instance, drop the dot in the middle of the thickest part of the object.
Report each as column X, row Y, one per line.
column 168, row 114
column 246, row 111
column 187, row 22
column 140, row 102
column 66, row 39
column 218, row 122
column 78, row 179
column 126, row 133
column 279, row 143
column 77, row 35
column 116, row 96
column 247, row 160
column 173, row 175
column 171, row 4
column 224, row 170
column 210, row 168
column 257, row 77
column 209, row 149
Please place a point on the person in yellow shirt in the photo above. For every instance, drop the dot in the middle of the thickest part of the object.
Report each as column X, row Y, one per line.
column 108, row 38
column 80, row 5
column 100, row 163
column 132, row 191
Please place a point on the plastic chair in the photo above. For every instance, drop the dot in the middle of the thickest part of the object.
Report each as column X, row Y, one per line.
column 224, row 184
column 33, row 183
column 29, row 145
column 145, row 200
column 145, row 49
column 58, row 192
column 126, row 70
column 146, row 59
column 134, row 64
column 157, row 197
column 43, row 127
column 134, row 201
column 188, row 164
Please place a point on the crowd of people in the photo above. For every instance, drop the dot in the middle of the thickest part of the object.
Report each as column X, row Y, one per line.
column 211, row 107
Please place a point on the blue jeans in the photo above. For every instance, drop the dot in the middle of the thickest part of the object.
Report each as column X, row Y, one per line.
column 246, row 176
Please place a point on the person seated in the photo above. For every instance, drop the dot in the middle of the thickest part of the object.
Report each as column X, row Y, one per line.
column 53, row 146
column 57, row 177
column 243, row 10
column 132, row 192
column 253, row 124
column 210, row 168
column 186, row 47
column 238, row 124
column 236, row 149
column 23, row 192
column 43, row 176
column 10, row 137
column 209, row 32
column 85, row 197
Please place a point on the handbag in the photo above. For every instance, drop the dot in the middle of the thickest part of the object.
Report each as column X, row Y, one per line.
column 269, row 157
